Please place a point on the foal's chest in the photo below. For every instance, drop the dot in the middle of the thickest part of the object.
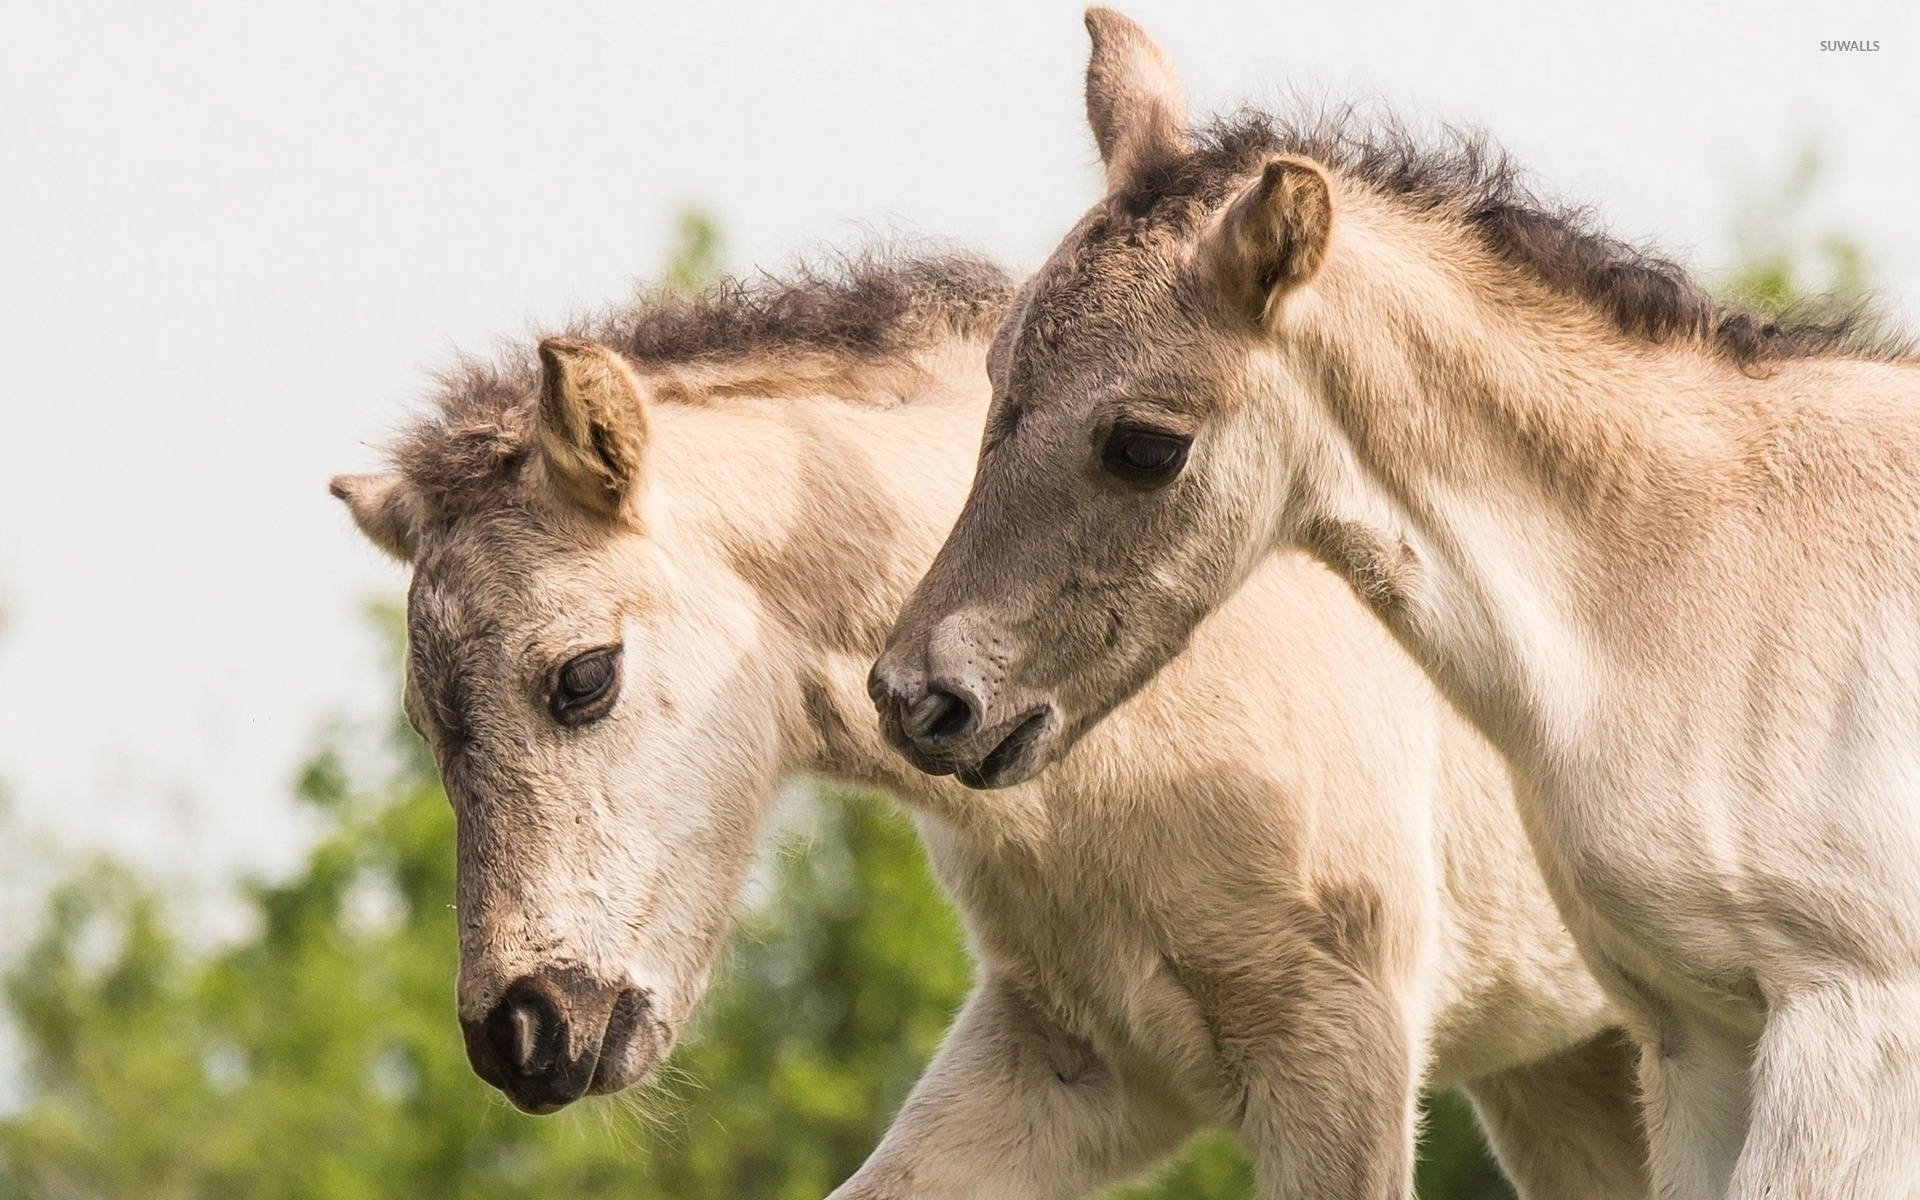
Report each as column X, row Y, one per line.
column 1651, row 889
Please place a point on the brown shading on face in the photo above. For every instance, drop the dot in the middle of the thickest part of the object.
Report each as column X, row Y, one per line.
column 1209, row 302
column 530, row 618
column 602, row 597
column 1111, row 508
column 1091, row 543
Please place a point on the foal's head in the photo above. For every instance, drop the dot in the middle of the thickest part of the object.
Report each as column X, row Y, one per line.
column 1124, row 486
column 637, row 564
column 587, row 680
column 1221, row 358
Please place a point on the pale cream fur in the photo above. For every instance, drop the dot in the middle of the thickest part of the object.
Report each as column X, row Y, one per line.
column 1687, row 605
column 1282, row 905
column 1680, row 590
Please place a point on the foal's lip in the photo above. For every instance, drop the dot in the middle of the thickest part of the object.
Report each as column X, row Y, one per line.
column 618, row 1065
column 933, row 766
column 1011, row 761
column 924, row 762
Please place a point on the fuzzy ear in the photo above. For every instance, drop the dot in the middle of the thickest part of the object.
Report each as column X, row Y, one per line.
column 593, row 424
column 1273, row 237
column 384, row 508
column 1134, row 100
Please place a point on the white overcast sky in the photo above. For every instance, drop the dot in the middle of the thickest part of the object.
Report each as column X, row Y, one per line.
column 233, row 237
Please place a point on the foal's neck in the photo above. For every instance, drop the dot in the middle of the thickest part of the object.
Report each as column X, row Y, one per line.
column 830, row 508
column 1492, row 459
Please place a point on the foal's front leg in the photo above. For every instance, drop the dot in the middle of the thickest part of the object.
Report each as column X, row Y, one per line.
column 1015, row 1108
column 1836, row 1095
column 1569, row 1127
column 1328, row 1078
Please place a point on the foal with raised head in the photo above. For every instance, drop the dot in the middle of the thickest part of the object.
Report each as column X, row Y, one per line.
column 648, row 579
column 1665, row 556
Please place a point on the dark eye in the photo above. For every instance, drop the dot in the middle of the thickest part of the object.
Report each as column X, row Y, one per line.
column 586, row 686
column 1144, row 455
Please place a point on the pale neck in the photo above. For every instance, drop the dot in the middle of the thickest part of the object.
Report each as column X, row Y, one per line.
column 1494, row 448
column 829, row 511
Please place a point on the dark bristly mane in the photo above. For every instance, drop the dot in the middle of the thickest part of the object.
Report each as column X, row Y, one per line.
column 1466, row 173
column 863, row 307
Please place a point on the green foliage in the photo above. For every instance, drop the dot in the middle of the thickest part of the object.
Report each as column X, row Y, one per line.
column 1783, row 259
column 838, row 994
column 1454, row 1162
column 319, row 1057
column 696, row 254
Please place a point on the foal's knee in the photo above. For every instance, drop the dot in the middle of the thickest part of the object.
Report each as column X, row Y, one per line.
column 1335, row 1112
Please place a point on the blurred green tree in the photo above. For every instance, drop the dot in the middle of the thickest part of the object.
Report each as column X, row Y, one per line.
column 319, row 1056
column 1782, row 256
column 697, row 254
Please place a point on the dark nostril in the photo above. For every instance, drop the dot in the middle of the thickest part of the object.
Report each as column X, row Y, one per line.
column 939, row 717
column 525, row 1030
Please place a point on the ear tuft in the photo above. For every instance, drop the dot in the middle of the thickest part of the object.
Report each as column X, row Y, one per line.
column 385, row 508
column 1274, row 235
column 1135, row 103
column 593, row 424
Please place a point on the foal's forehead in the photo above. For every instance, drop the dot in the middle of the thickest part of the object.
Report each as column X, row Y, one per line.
column 449, row 629
column 519, row 583
column 1091, row 310
column 1107, row 264
column 477, row 583
column 462, row 641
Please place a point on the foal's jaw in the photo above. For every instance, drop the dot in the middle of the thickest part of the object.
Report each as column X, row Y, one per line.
column 1026, row 750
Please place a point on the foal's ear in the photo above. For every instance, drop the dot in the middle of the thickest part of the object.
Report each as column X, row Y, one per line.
column 593, row 424
column 384, row 508
column 1134, row 99
column 1273, row 237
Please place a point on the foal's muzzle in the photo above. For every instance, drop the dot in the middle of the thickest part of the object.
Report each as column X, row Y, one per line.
column 558, row 1034
column 939, row 726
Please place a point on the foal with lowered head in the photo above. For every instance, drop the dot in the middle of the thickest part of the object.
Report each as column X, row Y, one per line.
column 1666, row 557
column 648, row 578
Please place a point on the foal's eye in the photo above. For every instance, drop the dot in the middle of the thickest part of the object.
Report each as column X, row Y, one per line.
column 1149, row 456
column 586, row 686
